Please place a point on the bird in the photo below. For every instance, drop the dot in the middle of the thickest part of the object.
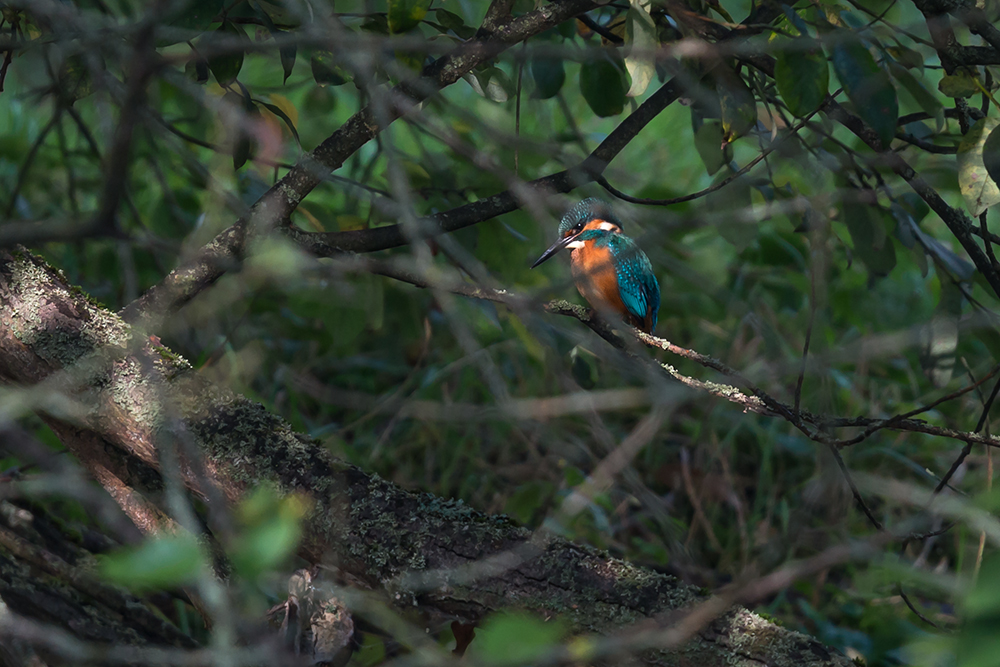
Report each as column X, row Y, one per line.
column 609, row 269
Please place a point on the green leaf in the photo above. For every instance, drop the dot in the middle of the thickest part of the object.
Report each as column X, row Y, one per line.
column 866, row 225
column 603, row 85
column 906, row 56
column 640, row 37
column 515, row 638
column 319, row 100
column 802, row 75
column 491, row 82
column 271, row 12
column 915, row 204
column 271, row 529
column 549, row 75
column 192, row 16
column 978, row 188
column 159, row 562
column 287, row 54
column 276, row 110
column 960, row 84
column 867, row 85
column 75, row 81
column 376, row 23
column 708, row 142
column 226, row 66
column 325, row 71
column 454, row 23
column 991, row 154
column 197, row 69
column 796, row 20
column 406, row 14
column 449, row 20
column 923, row 97
column 736, row 100
column 241, row 151
column 908, row 232
column 906, row 226
column 583, row 365
column 242, row 146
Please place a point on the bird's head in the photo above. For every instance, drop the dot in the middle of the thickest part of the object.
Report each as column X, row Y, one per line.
column 590, row 218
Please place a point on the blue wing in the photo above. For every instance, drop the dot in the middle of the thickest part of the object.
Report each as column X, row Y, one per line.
column 636, row 281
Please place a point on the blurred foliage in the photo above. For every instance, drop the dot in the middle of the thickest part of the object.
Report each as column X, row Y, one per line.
column 161, row 562
column 819, row 238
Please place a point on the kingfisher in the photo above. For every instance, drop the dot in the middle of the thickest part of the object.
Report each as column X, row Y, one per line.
column 609, row 269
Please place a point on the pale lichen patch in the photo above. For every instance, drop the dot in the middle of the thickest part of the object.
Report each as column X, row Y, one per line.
column 58, row 330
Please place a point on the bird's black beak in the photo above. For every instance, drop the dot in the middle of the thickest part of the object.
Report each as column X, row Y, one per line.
column 554, row 248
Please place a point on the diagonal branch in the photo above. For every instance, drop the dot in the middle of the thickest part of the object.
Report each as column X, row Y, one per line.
column 276, row 205
column 590, row 169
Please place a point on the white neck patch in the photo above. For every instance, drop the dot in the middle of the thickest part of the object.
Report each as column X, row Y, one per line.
column 607, row 226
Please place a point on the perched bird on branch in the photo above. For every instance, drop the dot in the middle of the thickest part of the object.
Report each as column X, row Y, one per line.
column 609, row 269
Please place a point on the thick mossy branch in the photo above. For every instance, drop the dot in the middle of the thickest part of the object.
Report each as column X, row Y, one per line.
column 439, row 555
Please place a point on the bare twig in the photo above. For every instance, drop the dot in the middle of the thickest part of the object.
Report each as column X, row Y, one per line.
column 854, row 488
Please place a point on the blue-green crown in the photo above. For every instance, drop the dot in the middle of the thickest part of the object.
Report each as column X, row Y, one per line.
column 587, row 210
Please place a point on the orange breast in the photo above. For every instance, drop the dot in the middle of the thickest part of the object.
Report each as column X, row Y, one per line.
column 596, row 279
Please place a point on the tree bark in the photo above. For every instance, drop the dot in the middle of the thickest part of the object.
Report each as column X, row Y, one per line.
column 439, row 555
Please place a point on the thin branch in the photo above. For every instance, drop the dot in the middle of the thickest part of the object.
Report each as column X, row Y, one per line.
column 600, row 29
column 176, row 131
column 926, row 145
column 906, row 599
column 954, row 467
column 274, row 208
column 813, row 426
column 713, row 188
column 987, row 405
column 391, row 236
column 978, row 23
column 923, row 115
column 679, row 200
column 854, row 488
column 29, row 158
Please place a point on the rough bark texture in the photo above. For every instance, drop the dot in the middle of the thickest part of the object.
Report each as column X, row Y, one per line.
column 439, row 555
column 46, row 574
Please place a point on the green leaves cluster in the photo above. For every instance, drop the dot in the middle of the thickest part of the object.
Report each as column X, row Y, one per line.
column 269, row 531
